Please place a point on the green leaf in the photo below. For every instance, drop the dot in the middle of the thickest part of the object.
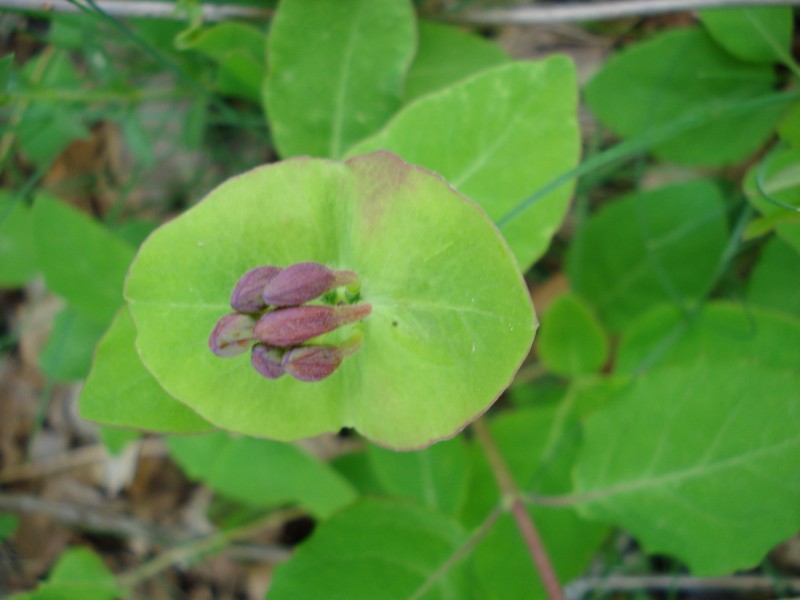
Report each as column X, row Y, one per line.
column 436, row 477
column 262, row 472
column 68, row 353
column 451, row 317
column 120, row 391
column 374, row 550
column 501, row 156
column 726, row 332
column 539, row 445
column 750, row 33
column 661, row 245
column 8, row 525
column 82, row 261
column 6, row 68
column 238, row 49
column 698, row 461
column 356, row 468
column 48, row 126
column 79, row 574
column 323, row 97
column 673, row 76
column 775, row 280
column 447, row 55
column 116, row 440
column 571, row 342
column 773, row 187
column 18, row 261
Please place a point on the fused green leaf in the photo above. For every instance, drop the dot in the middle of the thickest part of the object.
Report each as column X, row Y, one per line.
column 120, row 391
column 451, row 317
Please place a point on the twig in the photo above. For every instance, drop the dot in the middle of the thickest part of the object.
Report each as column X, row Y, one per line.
column 144, row 9
column 88, row 517
column 205, row 545
column 512, row 495
column 80, row 457
column 520, row 15
column 628, row 583
column 539, row 14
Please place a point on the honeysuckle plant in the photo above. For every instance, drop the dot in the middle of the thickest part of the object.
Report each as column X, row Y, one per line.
column 391, row 302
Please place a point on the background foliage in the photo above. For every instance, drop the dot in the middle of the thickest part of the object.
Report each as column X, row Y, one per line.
column 653, row 429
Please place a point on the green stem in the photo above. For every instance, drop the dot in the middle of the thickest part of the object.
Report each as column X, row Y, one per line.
column 92, row 96
column 211, row 543
column 514, row 498
column 645, row 141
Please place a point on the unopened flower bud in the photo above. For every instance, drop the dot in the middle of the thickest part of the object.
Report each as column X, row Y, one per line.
column 232, row 335
column 247, row 296
column 315, row 363
column 267, row 361
column 302, row 282
column 298, row 324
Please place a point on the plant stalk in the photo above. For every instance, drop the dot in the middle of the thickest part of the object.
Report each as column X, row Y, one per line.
column 514, row 499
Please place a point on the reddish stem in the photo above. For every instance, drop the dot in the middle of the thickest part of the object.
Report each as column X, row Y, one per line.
column 512, row 494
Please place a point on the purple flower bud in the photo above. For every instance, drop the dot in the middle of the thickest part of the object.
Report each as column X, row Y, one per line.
column 232, row 335
column 315, row 363
column 267, row 361
column 302, row 282
column 298, row 324
column 247, row 296
column 312, row 363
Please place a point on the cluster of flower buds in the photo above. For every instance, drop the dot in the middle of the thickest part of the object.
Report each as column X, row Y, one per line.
column 273, row 318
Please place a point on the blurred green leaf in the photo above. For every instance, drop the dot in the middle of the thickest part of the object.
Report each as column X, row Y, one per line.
column 82, row 261
column 79, row 574
column 262, row 472
column 729, row 333
column 674, row 75
column 375, row 549
column 323, row 97
column 435, row 477
column 6, row 68
column 240, row 52
column 489, row 155
column 18, row 260
column 775, row 280
column 67, row 356
column 661, row 245
column 48, row 125
column 116, row 439
column 121, row 392
column 447, row 55
column 356, row 467
column 773, row 187
column 571, row 341
column 752, row 33
column 8, row 525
